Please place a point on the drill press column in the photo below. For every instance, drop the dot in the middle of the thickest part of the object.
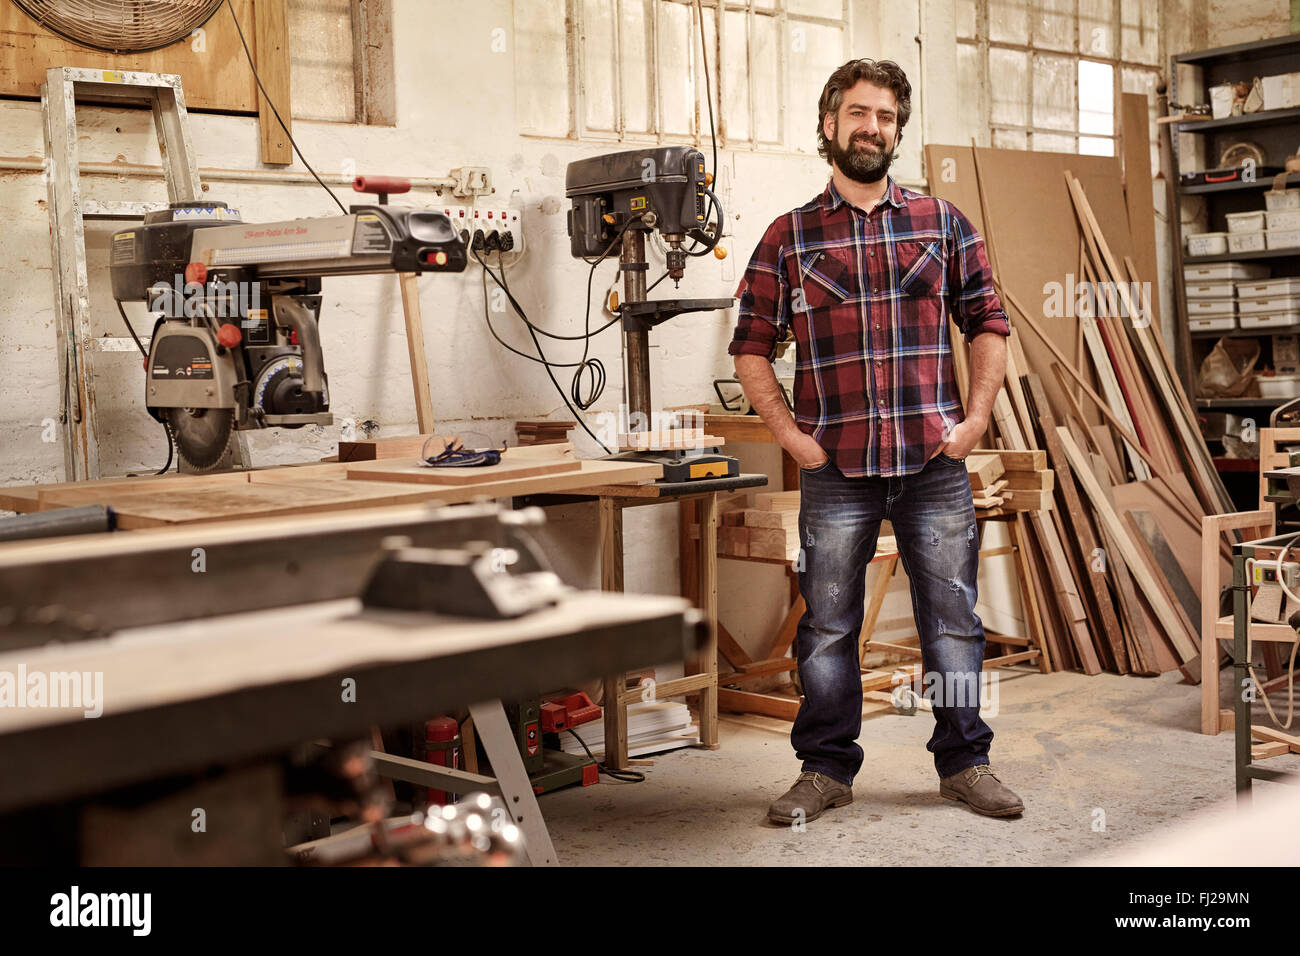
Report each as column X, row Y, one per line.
column 636, row 344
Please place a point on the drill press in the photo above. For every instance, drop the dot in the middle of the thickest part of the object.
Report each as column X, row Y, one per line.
column 617, row 199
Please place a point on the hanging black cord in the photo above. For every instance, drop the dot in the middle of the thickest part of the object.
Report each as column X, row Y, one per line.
column 171, row 448
column 593, row 367
column 271, row 103
column 543, row 361
column 708, row 87
column 630, row 776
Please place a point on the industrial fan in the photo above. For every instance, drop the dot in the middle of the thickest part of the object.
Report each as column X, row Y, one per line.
column 121, row 26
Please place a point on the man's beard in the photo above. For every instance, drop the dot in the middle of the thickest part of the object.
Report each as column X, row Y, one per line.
column 862, row 165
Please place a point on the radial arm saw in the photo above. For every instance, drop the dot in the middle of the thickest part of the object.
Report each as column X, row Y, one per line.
column 236, row 342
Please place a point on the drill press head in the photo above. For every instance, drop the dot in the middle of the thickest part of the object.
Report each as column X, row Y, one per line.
column 663, row 188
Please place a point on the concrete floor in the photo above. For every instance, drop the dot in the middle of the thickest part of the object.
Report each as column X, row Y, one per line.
column 1101, row 763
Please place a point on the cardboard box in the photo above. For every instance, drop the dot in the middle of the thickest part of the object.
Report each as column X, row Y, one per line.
column 1281, row 91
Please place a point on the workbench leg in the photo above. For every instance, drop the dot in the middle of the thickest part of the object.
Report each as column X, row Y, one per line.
column 708, row 661
column 516, row 789
column 611, row 579
column 1241, row 677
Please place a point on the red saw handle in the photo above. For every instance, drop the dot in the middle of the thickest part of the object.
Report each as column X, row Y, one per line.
column 381, row 184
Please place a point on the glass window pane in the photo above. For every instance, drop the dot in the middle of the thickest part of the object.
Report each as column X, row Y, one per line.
column 966, row 18
column 831, row 9
column 1008, row 87
column 598, row 53
column 767, row 79
column 1097, row 27
column 323, row 75
column 1096, row 97
column 1052, row 143
column 970, row 81
column 1093, row 146
column 541, row 69
column 637, row 39
column 735, row 76
column 814, row 53
column 1054, row 92
column 676, row 68
column 1009, row 21
column 1009, row 139
column 1139, row 31
column 1053, row 22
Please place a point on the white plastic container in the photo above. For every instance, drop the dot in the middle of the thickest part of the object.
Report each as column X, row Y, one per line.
column 1245, row 221
column 1269, row 320
column 1283, row 238
column 1287, row 285
column 1211, row 289
column 1247, row 241
column 1276, row 200
column 1284, row 219
column 1224, row 270
column 1207, row 244
column 1203, row 307
column 1219, row 323
column 1267, row 303
column 1221, row 99
column 1278, row 386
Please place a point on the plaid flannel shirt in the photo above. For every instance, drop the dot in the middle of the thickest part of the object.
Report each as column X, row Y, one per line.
column 867, row 295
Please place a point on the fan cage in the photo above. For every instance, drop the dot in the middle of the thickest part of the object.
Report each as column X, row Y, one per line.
column 121, row 26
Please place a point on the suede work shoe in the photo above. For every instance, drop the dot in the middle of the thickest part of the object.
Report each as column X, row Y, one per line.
column 811, row 794
column 981, row 789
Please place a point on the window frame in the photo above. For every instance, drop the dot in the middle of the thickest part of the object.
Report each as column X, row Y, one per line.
column 983, row 43
column 720, row 74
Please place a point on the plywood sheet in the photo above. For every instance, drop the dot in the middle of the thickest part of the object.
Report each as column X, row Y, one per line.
column 1030, row 226
column 214, row 78
column 510, row 467
column 317, row 488
column 1184, row 539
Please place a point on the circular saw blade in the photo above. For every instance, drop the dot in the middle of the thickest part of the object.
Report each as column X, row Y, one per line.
column 202, row 435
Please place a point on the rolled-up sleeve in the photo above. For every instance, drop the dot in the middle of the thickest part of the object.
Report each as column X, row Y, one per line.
column 975, row 305
column 764, row 299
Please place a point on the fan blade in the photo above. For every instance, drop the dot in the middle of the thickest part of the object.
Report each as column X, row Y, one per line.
column 202, row 435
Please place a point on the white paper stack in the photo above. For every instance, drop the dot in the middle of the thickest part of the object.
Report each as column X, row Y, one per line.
column 652, row 726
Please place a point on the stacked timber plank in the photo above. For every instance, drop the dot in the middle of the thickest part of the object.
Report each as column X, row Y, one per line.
column 543, row 432
column 769, row 530
column 1092, row 393
column 1010, row 480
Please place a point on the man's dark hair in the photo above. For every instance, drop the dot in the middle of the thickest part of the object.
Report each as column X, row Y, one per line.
column 883, row 73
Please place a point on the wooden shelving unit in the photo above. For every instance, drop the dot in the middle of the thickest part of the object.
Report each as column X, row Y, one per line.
column 1198, row 144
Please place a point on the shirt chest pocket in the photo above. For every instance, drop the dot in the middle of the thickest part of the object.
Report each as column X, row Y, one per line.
column 824, row 281
column 920, row 268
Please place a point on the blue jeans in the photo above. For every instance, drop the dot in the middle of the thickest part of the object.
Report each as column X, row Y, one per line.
column 934, row 524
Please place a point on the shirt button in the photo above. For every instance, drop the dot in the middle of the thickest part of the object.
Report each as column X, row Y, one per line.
column 871, row 252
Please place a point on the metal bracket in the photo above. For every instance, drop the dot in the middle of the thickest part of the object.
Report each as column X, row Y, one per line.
column 472, row 181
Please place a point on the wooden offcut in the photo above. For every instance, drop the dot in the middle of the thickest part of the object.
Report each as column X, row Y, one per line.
column 271, row 36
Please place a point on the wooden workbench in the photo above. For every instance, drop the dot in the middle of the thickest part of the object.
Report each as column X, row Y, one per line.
column 168, row 500
column 246, row 660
